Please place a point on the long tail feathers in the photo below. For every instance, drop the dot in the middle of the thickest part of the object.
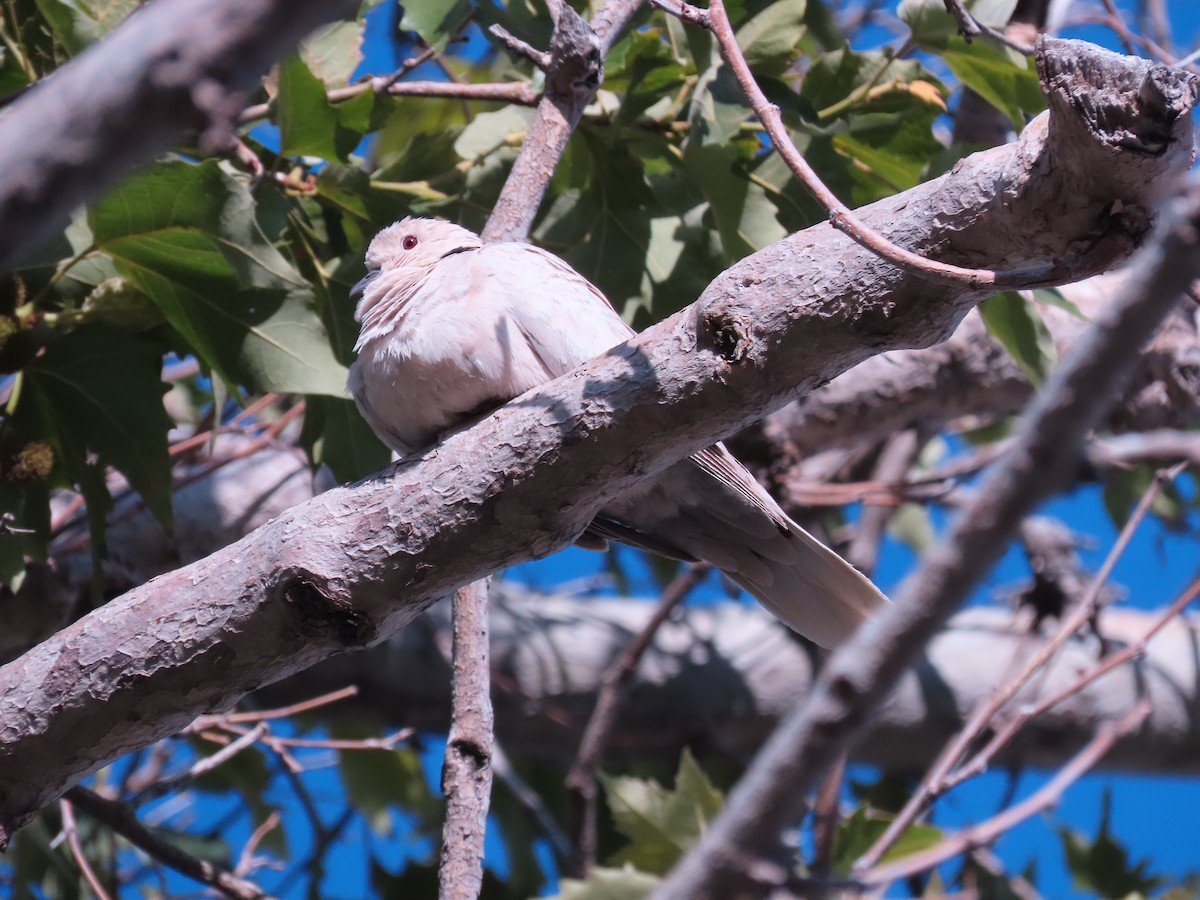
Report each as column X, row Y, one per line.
column 709, row 507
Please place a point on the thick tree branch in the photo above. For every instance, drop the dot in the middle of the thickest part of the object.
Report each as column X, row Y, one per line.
column 360, row 562
column 732, row 664
column 173, row 67
column 973, row 375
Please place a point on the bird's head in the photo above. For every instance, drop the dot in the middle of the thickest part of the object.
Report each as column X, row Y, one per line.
column 401, row 256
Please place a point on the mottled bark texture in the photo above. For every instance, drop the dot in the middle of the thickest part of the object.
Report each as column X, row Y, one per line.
column 356, row 564
column 173, row 68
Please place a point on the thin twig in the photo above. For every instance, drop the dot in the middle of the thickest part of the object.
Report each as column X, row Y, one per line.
column 287, row 712
column 827, row 819
column 895, row 459
column 581, row 779
column 935, row 781
column 467, row 770
column 226, row 753
column 840, row 215
column 1047, row 796
column 970, row 27
column 121, row 819
column 1022, row 717
column 532, row 802
column 72, row 833
column 539, row 58
column 246, row 860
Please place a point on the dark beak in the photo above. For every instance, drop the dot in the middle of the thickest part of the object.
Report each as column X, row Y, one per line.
column 356, row 292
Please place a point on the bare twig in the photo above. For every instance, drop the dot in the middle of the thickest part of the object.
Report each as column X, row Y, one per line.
column 826, row 819
column 895, row 459
column 286, row 712
column 581, row 779
column 937, row 779
column 539, row 58
column 861, row 673
column 1127, row 654
column 988, row 832
column 120, row 818
column 467, row 770
column 247, row 862
column 840, row 215
column 72, row 834
column 970, row 27
column 574, row 72
column 230, row 750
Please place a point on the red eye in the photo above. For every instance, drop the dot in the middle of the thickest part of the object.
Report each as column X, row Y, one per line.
column 409, row 242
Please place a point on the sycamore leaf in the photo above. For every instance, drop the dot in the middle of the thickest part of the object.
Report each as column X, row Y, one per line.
column 335, row 435
column 309, row 125
column 1019, row 328
column 100, row 392
column 626, row 883
column 856, row 835
column 661, row 824
column 186, row 237
column 437, row 21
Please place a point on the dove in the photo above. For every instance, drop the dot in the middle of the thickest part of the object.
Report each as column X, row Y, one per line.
column 452, row 327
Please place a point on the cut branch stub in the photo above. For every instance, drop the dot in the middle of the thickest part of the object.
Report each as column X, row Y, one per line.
column 1126, row 102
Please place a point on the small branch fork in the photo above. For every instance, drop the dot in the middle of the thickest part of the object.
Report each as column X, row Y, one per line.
column 988, row 832
column 467, row 769
column 581, row 779
column 122, row 820
column 716, row 20
column 121, row 817
column 941, row 776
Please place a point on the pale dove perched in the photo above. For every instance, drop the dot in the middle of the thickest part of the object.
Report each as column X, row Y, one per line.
column 452, row 327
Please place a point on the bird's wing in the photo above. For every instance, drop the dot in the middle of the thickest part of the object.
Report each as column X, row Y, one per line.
column 565, row 319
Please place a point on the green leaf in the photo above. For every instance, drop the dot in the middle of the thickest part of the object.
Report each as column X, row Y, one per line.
column 1102, row 866
column 626, row 883
column 932, row 26
column 876, row 119
column 436, row 21
column 376, row 779
column 912, row 526
column 660, row 824
column 186, row 236
column 490, row 131
column 335, row 435
column 1001, row 76
column 309, row 125
column 1054, row 297
column 77, row 25
column 857, row 833
column 101, row 392
column 769, row 40
column 1004, row 78
column 1017, row 325
column 602, row 230
column 333, row 52
column 1124, row 488
column 29, row 507
column 117, row 302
